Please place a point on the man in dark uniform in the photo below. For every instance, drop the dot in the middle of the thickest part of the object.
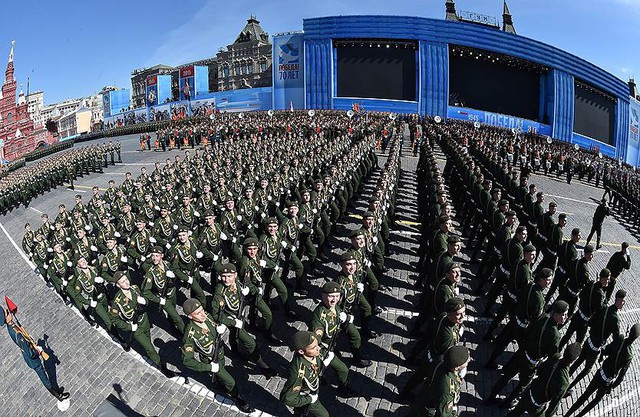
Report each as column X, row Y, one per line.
column 578, row 278
column 601, row 212
column 202, row 336
column 567, row 253
column 303, row 383
column 613, row 370
column 618, row 262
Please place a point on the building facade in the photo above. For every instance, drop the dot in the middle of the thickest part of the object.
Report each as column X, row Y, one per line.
column 35, row 103
column 139, row 82
column 18, row 132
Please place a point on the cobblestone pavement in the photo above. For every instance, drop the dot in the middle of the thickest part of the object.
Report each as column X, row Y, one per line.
column 92, row 366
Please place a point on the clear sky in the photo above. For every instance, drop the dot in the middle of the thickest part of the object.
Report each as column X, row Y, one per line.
column 73, row 48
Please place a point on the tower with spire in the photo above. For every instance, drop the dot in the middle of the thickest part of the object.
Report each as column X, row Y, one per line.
column 450, row 10
column 507, row 19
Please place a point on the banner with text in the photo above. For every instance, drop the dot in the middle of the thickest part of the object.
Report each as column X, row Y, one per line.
column 633, row 147
column 288, row 71
column 497, row 119
column 187, row 76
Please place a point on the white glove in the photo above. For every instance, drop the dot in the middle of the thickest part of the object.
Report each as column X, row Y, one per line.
column 277, row 268
column 239, row 217
column 245, row 291
column 328, row 359
column 343, row 317
column 238, row 324
column 93, row 248
column 277, row 204
column 141, row 300
column 300, row 226
column 68, row 239
column 284, row 244
column 221, row 328
column 190, row 280
column 175, row 227
column 294, row 248
column 69, row 264
column 117, row 234
column 263, row 215
column 215, row 367
column 151, row 224
column 375, row 239
column 156, row 207
column 223, row 236
column 269, row 198
column 93, row 303
column 134, row 327
column 199, row 254
column 260, row 291
column 215, row 257
column 195, row 213
column 456, row 291
column 234, row 240
column 152, row 239
column 350, row 318
column 314, row 398
column 461, row 331
column 262, row 263
column 143, row 258
column 163, row 301
column 315, row 211
column 367, row 262
column 360, row 287
column 49, row 250
column 65, row 282
column 168, row 245
column 86, row 227
column 256, row 208
column 99, row 280
column 124, row 259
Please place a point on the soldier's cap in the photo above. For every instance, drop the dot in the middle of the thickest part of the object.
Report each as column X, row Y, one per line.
column 119, row 274
column 356, row 233
column 317, row 180
column 560, row 307
column 247, row 188
column 545, row 273
column 190, row 306
column 302, row 339
column 228, row 268
column 495, row 190
column 209, row 213
column 634, row 332
column 271, row 220
column 589, row 249
column 562, row 216
column 347, row 256
column 453, row 239
column 77, row 257
column 39, row 232
column 157, row 249
column 503, row 202
column 368, row 215
column 572, row 352
column 110, row 236
column 292, row 203
column 454, row 304
column 330, row 287
column 605, row 273
column 625, row 245
column 141, row 219
column 304, row 190
column 443, row 219
column 229, row 198
column 553, row 204
column 250, row 241
column 510, row 213
column 621, row 294
column 575, row 231
column 441, row 192
column 456, row 356
column 453, row 266
column 164, row 207
column 529, row 248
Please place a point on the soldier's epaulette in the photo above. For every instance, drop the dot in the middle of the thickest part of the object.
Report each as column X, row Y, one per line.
column 191, row 332
column 301, row 370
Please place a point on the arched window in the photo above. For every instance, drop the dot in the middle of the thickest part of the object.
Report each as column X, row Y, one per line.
column 9, row 116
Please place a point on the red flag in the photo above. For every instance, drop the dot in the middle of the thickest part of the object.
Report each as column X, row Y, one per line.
column 13, row 308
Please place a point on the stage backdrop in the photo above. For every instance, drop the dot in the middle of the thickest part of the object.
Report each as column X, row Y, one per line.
column 633, row 146
column 497, row 119
column 288, row 71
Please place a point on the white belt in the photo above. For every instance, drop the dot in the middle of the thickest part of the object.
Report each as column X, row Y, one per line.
column 575, row 294
column 605, row 378
column 512, row 296
column 561, row 269
column 504, row 270
column 543, row 237
column 521, row 324
column 584, row 317
column 498, row 251
column 533, row 401
column 592, row 346
column 532, row 224
column 533, row 362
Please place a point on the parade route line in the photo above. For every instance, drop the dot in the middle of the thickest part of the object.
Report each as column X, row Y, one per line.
column 15, row 245
column 36, row 210
column 77, row 191
column 572, row 199
column 88, row 188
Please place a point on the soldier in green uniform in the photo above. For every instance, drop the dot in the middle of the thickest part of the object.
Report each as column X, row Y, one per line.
column 578, row 278
column 83, row 245
column 159, row 287
column 326, row 323
column 185, row 257
column 140, row 244
column 290, row 242
column 442, row 392
column 128, row 312
column 202, row 336
column 542, row 340
column 613, row 370
column 28, row 240
column 86, row 291
column 114, row 259
column 567, row 253
column 229, row 304
column 303, row 383
column 40, row 254
column 229, row 222
column 250, row 274
column 544, row 394
column 58, row 271
column 363, row 271
column 352, row 293
column 271, row 250
column 618, row 262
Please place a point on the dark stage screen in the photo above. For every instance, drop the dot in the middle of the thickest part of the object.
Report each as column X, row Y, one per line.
column 593, row 114
column 483, row 84
column 376, row 72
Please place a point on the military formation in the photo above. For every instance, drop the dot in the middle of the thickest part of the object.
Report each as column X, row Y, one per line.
column 229, row 233
column 21, row 186
column 531, row 263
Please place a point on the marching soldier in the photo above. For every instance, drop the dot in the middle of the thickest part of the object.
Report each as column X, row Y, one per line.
column 140, row 244
column 567, row 253
column 186, row 255
column 159, row 287
column 114, row 259
column 618, row 262
column 578, row 278
column 202, row 337
column 229, row 224
column 363, row 264
column 58, row 271
column 86, row 291
column 28, row 240
column 128, row 313
column 291, row 228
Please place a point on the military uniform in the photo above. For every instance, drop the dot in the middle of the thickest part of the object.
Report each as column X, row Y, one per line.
column 159, row 287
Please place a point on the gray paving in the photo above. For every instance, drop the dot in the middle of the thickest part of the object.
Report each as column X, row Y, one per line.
column 92, row 367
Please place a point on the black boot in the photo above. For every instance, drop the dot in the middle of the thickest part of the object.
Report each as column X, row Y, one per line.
column 367, row 333
column 358, row 360
column 166, row 371
column 240, row 402
column 265, row 369
column 60, row 396
column 271, row 338
column 345, row 391
column 290, row 312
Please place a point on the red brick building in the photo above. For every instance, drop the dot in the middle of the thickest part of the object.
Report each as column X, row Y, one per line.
column 18, row 133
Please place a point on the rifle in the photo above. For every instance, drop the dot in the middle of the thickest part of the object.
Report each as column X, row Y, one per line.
column 13, row 309
column 216, row 347
column 165, row 289
column 135, row 318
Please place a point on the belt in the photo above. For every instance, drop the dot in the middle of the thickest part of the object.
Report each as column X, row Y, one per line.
column 574, row 293
column 584, row 316
column 498, row 251
column 533, row 401
column 532, row 224
column 504, row 270
column 592, row 346
column 552, row 252
column 561, row 269
column 521, row 324
column 512, row 296
column 533, row 362
column 544, row 238
column 605, row 378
